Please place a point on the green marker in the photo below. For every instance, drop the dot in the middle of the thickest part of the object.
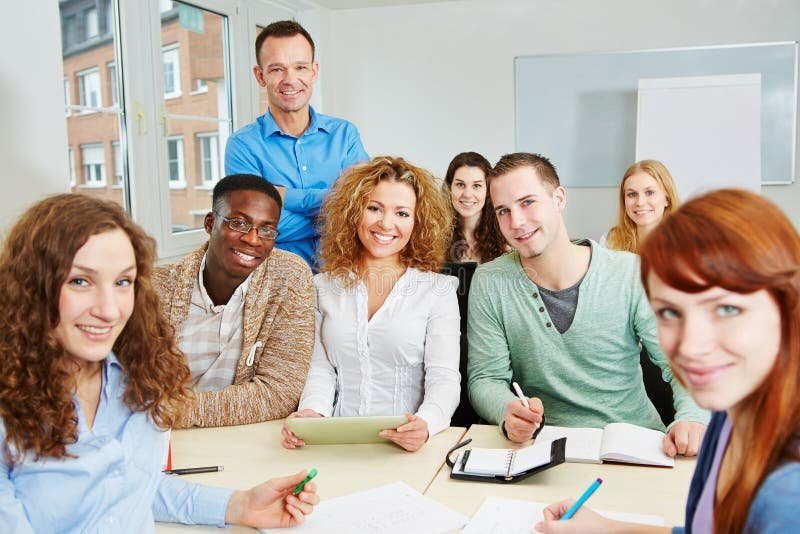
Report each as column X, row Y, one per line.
column 310, row 475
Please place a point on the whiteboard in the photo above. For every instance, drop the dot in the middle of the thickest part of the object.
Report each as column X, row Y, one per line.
column 580, row 109
column 705, row 129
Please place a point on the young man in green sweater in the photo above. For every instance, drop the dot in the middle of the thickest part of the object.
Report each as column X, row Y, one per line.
column 564, row 320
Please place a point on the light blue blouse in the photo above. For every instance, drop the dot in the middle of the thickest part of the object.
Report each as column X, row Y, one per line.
column 115, row 482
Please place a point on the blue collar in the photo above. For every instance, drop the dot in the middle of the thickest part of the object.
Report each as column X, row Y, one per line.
column 316, row 123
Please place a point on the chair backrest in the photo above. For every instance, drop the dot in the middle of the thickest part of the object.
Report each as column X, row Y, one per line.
column 465, row 415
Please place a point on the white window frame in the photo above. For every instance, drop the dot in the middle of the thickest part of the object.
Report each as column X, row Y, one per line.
column 111, row 72
column 67, row 98
column 142, row 93
column 90, row 178
column 180, row 183
column 212, row 138
column 119, row 171
column 200, row 87
column 82, row 78
column 173, row 52
column 71, row 158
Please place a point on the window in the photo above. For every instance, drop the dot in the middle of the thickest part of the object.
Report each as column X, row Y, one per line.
column 70, row 29
column 118, row 171
column 90, row 23
column 94, row 168
column 200, row 86
column 175, row 162
column 71, row 166
column 165, row 5
column 172, row 71
column 67, row 99
column 112, row 82
column 89, row 88
column 209, row 157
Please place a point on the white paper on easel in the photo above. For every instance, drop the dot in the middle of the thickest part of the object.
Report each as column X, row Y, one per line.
column 705, row 129
column 507, row 516
column 393, row 508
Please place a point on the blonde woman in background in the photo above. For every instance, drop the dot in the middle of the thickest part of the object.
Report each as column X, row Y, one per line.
column 647, row 194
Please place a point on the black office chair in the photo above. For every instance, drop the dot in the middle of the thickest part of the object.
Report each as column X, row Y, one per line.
column 659, row 392
column 464, row 415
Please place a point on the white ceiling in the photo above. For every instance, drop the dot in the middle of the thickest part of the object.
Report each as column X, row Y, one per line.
column 358, row 4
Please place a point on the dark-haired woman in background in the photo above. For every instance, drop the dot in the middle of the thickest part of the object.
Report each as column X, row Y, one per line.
column 476, row 236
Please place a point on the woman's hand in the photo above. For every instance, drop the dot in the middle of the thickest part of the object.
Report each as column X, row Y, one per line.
column 290, row 441
column 273, row 503
column 411, row 436
column 585, row 520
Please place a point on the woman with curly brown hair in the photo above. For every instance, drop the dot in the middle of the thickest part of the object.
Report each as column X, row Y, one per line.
column 90, row 378
column 387, row 326
column 476, row 235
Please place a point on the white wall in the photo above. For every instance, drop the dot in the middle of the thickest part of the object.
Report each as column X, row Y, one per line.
column 33, row 138
column 429, row 81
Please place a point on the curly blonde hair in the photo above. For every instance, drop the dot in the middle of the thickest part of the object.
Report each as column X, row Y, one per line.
column 36, row 375
column 340, row 247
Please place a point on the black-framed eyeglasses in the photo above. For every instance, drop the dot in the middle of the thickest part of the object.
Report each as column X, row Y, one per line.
column 244, row 227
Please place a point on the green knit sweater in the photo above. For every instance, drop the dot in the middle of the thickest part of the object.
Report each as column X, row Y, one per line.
column 588, row 376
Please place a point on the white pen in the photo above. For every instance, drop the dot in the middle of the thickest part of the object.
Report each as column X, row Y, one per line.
column 523, row 399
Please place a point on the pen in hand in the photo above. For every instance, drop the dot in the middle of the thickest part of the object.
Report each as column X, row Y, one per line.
column 194, row 470
column 523, row 399
column 582, row 499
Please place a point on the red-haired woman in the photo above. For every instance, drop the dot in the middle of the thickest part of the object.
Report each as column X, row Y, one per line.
column 726, row 292
column 89, row 379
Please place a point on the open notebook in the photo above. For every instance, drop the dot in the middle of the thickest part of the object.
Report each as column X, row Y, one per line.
column 617, row 442
column 503, row 462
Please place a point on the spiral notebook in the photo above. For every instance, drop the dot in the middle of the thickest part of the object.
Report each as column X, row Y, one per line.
column 506, row 462
column 505, row 465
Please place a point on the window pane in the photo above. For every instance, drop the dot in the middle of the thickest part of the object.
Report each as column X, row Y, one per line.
column 90, row 21
column 93, row 132
column 112, row 82
column 172, row 71
column 198, row 105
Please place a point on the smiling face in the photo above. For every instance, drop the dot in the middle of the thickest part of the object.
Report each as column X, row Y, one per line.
column 387, row 221
column 468, row 191
column 722, row 344
column 288, row 71
column 234, row 253
column 528, row 211
column 97, row 297
column 645, row 200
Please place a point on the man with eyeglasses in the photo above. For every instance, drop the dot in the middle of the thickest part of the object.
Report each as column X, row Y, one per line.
column 243, row 312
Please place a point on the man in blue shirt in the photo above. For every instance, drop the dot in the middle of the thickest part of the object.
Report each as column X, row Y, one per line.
column 300, row 151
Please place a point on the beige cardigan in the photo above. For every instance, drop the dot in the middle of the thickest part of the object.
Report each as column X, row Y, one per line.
column 278, row 312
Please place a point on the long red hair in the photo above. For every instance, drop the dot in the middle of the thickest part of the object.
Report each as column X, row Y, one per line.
column 741, row 242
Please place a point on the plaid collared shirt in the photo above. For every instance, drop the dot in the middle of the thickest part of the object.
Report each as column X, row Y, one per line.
column 212, row 336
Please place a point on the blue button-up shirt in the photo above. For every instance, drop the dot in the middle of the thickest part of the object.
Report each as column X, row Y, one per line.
column 114, row 485
column 306, row 166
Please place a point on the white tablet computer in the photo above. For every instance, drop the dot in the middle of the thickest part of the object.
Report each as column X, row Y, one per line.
column 336, row 430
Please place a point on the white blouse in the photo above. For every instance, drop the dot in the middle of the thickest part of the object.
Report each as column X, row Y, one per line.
column 403, row 360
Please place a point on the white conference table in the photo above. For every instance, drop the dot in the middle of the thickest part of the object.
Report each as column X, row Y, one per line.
column 626, row 488
column 252, row 454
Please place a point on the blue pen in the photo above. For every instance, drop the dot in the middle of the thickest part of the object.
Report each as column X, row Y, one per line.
column 583, row 498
